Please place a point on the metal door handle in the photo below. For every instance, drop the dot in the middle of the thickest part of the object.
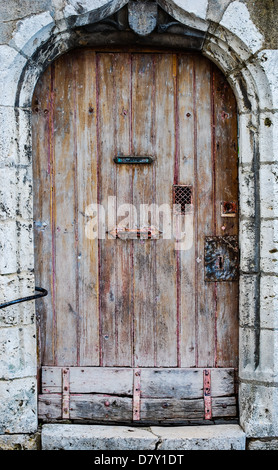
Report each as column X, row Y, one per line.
column 44, row 292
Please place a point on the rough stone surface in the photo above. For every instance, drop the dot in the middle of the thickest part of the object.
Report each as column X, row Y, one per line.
column 219, row 437
column 20, row 442
column 262, row 444
column 82, row 437
column 237, row 20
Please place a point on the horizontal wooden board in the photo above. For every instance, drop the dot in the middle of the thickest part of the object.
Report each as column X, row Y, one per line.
column 89, row 380
column 89, row 407
column 177, row 410
column 185, row 383
column 155, row 383
column 119, row 409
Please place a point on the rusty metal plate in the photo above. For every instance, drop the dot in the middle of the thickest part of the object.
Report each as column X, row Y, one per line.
column 221, row 258
column 228, row 209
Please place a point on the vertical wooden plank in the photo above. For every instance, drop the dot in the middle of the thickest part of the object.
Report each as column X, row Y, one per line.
column 226, row 189
column 186, row 176
column 143, row 193
column 123, row 262
column 107, row 188
column 42, row 150
column 65, row 211
column 204, row 206
column 166, row 278
column 86, row 188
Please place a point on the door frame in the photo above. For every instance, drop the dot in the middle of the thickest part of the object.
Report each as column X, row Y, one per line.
column 252, row 90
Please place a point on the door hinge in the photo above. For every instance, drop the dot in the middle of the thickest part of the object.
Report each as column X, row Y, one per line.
column 136, row 394
column 65, row 392
column 207, row 394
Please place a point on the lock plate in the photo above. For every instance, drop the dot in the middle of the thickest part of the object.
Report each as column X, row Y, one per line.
column 221, row 258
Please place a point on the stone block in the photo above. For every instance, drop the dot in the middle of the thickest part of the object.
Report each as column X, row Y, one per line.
column 20, row 442
column 13, row 287
column 247, row 347
column 24, row 187
column 268, row 137
column 248, row 130
column 31, row 32
column 269, row 63
column 97, row 437
column 258, row 409
column 219, row 52
column 11, row 66
column 268, row 366
column 247, row 192
column 16, row 361
column 248, row 291
column 89, row 437
column 18, row 406
column 262, row 444
column 269, row 246
column 237, row 20
column 248, row 248
column 25, row 247
column 16, row 199
column 218, row 437
column 7, row 136
column 216, row 9
column 269, row 302
column 8, row 244
column 269, row 190
column 8, row 193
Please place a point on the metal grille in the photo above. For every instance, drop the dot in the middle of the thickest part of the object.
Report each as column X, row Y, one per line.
column 182, row 199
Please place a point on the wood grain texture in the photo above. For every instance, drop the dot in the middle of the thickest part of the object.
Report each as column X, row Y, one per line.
column 106, row 394
column 121, row 304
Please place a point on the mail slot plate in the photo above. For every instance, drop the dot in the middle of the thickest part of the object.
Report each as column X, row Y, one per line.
column 221, row 258
column 133, row 159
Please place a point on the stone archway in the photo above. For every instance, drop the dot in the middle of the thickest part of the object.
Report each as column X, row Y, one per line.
column 237, row 48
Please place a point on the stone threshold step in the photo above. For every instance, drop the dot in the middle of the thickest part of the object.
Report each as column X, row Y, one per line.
column 99, row 437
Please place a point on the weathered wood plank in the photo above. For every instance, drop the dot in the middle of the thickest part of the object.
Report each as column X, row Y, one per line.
column 226, row 189
column 87, row 407
column 101, row 408
column 122, row 110
column 50, row 407
column 166, row 261
column 186, row 176
column 185, row 383
column 165, row 382
column 118, row 409
column 86, row 194
column 89, row 380
column 173, row 410
column 205, row 340
column 107, row 188
column 42, row 132
column 64, row 212
column 143, row 193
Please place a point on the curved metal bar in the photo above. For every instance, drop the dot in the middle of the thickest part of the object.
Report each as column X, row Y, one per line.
column 44, row 292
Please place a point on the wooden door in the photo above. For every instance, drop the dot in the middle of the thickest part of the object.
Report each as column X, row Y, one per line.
column 137, row 326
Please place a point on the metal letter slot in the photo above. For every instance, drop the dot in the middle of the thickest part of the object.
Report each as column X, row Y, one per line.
column 144, row 233
column 221, row 258
column 133, row 159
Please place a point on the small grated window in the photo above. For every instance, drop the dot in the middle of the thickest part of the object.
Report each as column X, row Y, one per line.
column 182, row 199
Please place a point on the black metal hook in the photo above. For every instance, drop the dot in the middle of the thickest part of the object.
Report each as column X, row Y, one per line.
column 44, row 292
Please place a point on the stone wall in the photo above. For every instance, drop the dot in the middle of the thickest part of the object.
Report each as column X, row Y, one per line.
column 241, row 37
